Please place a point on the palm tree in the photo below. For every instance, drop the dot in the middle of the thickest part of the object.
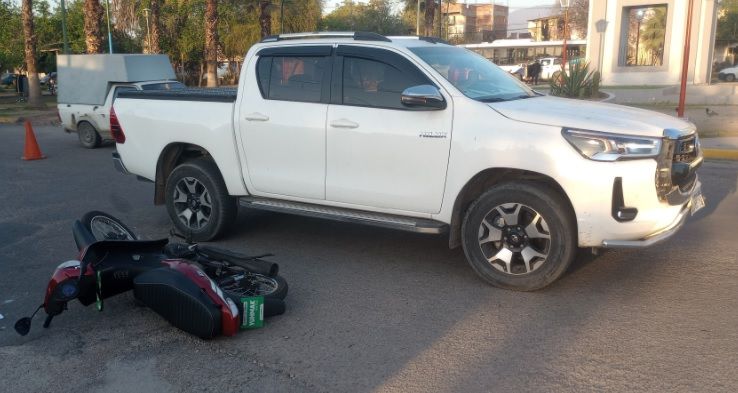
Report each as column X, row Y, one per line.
column 154, row 14
column 430, row 15
column 653, row 35
column 265, row 17
column 34, row 88
column 211, row 41
column 93, row 16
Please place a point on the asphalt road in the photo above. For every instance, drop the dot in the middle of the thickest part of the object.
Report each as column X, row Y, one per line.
column 369, row 309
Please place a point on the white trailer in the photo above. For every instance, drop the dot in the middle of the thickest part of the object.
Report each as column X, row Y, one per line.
column 88, row 85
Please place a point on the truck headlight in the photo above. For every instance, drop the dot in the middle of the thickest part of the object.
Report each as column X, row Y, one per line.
column 600, row 146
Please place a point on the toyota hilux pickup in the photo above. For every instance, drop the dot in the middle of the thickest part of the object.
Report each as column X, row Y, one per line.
column 413, row 134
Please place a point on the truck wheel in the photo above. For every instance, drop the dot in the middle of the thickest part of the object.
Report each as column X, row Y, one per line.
column 198, row 202
column 519, row 236
column 729, row 78
column 88, row 135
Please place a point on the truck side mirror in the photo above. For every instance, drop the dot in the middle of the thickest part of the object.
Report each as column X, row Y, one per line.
column 423, row 96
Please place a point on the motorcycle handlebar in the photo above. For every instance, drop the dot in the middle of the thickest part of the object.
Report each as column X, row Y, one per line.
column 206, row 254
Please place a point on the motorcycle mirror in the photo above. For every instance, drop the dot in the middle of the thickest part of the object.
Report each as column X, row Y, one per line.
column 23, row 326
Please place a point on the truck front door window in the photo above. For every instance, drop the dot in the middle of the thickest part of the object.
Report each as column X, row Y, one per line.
column 373, row 83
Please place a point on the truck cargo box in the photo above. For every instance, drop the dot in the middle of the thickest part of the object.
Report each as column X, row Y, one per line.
column 86, row 79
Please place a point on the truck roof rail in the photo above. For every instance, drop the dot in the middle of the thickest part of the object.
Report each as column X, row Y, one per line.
column 358, row 35
column 432, row 40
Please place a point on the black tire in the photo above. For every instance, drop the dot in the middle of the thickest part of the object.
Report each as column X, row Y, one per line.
column 88, row 135
column 190, row 188
column 729, row 78
column 550, row 244
column 277, row 291
column 103, row 226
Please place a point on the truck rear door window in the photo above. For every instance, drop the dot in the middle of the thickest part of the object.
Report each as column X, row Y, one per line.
column 292, row 78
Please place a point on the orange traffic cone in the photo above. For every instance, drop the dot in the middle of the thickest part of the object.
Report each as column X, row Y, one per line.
column 31, row 150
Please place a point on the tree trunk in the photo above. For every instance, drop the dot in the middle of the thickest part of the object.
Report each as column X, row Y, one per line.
column 211, row 41
column 199, row 78
column 93, row 18
column 34, row 87
column 430, row 16
column 154, row 46
column 265, row 18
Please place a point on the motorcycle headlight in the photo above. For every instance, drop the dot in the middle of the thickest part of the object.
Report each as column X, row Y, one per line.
column 600, row 146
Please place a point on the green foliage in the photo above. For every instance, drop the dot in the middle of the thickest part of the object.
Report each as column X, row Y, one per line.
column 11, row 42
column 181, row 26
column 727, row 24
column 375, row 16
column 577, row 82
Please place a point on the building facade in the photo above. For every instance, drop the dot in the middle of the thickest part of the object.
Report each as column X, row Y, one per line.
column 472, row 23
column 551, row 28
column 642, row 42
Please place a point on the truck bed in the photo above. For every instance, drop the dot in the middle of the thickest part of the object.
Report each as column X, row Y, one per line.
column 224, row 94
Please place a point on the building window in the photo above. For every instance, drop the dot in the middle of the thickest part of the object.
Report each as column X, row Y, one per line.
column 643, row 36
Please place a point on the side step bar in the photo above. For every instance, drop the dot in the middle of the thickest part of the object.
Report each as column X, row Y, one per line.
column 411, row 224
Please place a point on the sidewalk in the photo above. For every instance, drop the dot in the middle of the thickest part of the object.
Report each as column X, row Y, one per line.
column 721, row 148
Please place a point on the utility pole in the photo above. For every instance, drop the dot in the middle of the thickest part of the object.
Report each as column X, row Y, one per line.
column 685, row 61
column 110, row 34
column 65, row 37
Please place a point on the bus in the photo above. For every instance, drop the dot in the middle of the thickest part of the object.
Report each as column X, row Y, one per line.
column 512, row 52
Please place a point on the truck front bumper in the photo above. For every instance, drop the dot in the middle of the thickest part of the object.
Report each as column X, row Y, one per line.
column 694, row 203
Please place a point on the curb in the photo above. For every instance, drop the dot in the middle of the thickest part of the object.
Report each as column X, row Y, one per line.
column 721, row 154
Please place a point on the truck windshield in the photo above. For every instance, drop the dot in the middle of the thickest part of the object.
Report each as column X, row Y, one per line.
column 475, row 76
column 163, row 86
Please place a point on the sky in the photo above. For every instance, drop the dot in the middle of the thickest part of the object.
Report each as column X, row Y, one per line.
column 513, row 4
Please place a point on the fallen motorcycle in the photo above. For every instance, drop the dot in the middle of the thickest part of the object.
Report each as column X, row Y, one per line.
column 202, row 290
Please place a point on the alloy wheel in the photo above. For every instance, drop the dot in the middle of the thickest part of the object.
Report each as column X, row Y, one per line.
column 514, row 238
column 192, row 203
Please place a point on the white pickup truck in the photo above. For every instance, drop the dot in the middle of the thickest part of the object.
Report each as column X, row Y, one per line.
column 414, row 134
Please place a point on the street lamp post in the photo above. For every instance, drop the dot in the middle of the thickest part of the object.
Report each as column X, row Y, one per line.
column 685, row 61
column 565, row 6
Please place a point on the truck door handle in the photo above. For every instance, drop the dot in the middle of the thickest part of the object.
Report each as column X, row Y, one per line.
column 344, row 123
column 256, row 116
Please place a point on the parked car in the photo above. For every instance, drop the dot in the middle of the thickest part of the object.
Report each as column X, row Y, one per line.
column 8, row 79
column 729, row 74
column 84, row 102
column 413, row 134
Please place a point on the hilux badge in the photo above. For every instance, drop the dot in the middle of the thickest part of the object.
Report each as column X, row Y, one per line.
column 432, row 134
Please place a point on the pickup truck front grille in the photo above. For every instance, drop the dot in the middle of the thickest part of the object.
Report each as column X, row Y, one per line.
column 683, row 172
column 685, row 150
column 677, row 168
